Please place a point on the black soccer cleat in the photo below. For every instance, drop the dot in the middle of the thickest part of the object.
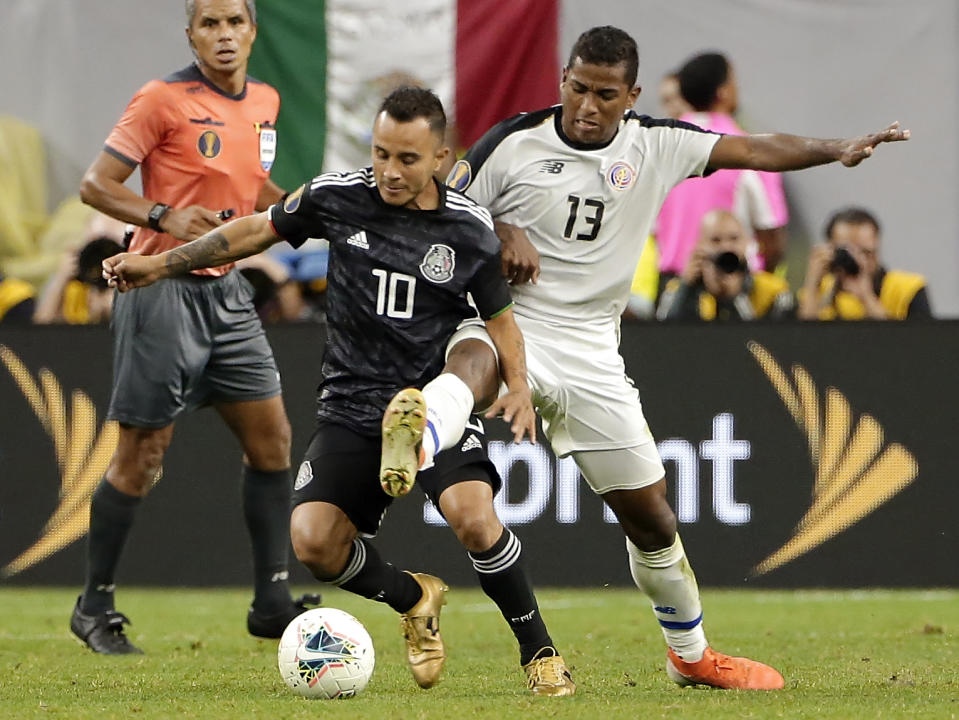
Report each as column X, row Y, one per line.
column 272, row 626
column 103, row 633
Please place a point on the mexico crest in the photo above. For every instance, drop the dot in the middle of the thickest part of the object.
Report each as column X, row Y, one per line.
column 438, row 263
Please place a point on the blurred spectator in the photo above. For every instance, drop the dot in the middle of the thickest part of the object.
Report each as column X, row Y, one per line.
column 77, row 294
column 717, row 284
column 708, row 84
column 279, row 294
column 846, row 280
column 671, row 101
column 644, row 288
column 16, row 301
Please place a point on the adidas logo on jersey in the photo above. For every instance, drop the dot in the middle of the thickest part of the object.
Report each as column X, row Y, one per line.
column 359, row 240
column 472, row 443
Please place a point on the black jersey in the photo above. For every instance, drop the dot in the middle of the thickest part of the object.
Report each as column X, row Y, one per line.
column 397, row 286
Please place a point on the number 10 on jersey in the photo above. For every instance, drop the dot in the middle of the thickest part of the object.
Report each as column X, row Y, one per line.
column 388, row 291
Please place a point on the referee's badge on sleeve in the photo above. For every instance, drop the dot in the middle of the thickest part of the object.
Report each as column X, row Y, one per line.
column 267, row 146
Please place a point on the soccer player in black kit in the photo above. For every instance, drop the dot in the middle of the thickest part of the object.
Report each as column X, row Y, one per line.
column 404, row 252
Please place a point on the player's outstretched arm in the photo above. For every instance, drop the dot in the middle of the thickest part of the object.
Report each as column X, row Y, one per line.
column 777, row 152
column 238, row 239
column 516, row 406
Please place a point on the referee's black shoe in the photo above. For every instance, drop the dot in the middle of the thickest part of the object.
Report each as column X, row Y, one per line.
column 103, row 633
column 272, row 626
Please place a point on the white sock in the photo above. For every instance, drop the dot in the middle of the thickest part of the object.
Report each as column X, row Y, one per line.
column 668, row 580
column 449, row 402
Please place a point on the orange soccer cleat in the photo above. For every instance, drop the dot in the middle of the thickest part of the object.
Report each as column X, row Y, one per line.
column 723, row 671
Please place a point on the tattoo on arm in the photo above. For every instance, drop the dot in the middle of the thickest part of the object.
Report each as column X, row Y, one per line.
column 208, row 251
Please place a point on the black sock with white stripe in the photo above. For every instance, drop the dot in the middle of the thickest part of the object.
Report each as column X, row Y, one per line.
column 367, row 574
column 503, row 578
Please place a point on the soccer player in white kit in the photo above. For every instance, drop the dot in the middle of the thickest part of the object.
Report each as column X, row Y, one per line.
column 575, row 189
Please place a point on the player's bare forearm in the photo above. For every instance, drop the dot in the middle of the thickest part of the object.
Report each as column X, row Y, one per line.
column 774, row 152
column 780, row 152
column 508, row 339
column 516, row 406
column 228, row 243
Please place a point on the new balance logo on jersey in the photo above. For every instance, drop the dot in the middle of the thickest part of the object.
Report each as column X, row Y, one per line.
column 359, row 240
column 552, row 167
column 472, row 443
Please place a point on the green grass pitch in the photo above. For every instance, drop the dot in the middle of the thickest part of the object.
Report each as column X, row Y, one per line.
column 845, row 654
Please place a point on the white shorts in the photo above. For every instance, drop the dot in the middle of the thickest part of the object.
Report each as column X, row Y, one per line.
column 580, row 387
column 471, row 329
column 621, row 469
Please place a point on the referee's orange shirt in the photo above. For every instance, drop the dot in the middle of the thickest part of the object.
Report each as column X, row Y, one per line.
column 196, row 145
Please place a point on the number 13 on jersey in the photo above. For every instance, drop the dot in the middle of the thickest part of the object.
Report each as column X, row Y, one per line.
column 592, row 213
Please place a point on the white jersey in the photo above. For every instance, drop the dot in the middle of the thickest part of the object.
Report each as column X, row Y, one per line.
column 586, row 209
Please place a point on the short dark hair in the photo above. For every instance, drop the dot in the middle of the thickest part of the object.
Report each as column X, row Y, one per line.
column 607, row 45
column 408, row 102
column 701, row 77
column 191, row 11
column 852, row 216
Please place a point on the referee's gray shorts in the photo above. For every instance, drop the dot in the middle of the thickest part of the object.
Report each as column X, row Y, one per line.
column 187, row 342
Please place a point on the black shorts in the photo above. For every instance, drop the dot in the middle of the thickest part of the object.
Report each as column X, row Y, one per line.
column 342, row 467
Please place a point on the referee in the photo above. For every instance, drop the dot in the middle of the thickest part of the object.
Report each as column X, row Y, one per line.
column 204, row 139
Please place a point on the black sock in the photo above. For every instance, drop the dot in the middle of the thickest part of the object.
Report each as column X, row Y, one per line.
column 368, row 575
column 111, row 517
column 266, row 509
column 503, row 578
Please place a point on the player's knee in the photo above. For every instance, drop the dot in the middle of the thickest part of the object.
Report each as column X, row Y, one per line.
column 474, row 362
column 476, row 533
column 318, row 550
column 270, row 450
column 137, row 464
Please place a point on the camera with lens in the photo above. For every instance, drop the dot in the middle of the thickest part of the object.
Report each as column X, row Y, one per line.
column 843, row 260
column 729, row 262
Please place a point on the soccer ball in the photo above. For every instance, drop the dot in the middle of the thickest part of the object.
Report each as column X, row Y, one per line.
column 326, row 653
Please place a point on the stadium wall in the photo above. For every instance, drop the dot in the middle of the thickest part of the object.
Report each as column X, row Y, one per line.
column 796, row 456
column 804, row 66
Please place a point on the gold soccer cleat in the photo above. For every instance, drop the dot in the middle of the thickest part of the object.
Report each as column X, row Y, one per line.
column 723, row 671
column 547, row 674
column 403, row 424
column 425, row 650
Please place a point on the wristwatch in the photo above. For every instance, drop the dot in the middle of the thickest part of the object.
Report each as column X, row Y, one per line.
column 156, row 213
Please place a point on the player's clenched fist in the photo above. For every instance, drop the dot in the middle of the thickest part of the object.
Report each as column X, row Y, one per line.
column 130, row 270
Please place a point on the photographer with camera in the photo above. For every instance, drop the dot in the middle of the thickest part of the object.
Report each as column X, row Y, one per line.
column 845, row 280
column 716, row 283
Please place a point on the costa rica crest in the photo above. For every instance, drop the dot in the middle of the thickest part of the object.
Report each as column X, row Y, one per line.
column 438, row 263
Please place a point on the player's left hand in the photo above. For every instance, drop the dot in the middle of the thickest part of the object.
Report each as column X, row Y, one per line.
column 126, row 271
column 858, row 149
column 516, row 408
